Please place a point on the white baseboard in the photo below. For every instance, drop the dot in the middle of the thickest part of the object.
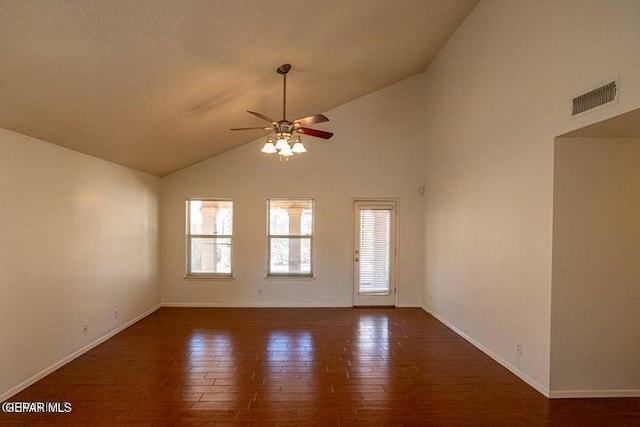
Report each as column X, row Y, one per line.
column 524, row 377
column 265, row 305
column 577, row 394
column 252, row 305
column 17, row 389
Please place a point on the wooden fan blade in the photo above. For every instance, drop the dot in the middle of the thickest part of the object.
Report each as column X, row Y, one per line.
column 262, row 116
column 314, row 132
column 263, row 128
column 316, row 118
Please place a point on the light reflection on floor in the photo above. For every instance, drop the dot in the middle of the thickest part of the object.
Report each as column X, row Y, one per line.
column 372, row 355
column 212, row 370
column 289, row 369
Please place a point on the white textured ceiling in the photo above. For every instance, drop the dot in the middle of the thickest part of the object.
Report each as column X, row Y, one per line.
column 156, row 84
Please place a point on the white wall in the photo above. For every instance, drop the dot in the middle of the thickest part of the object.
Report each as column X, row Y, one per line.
column 595, row 338
column 78, row 240
column 496, row 96
column 376, row 152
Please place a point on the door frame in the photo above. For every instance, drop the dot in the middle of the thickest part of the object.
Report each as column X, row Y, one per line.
column 394, row 203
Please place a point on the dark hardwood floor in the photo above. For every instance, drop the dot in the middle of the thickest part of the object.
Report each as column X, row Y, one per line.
column 330, row 366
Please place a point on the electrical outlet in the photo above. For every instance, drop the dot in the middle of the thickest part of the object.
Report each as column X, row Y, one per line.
column 116, row 313
column 519, row 349
column 85, row 329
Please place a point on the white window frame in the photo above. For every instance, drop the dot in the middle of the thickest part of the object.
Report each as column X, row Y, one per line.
column 188, row 236
column 270, row 236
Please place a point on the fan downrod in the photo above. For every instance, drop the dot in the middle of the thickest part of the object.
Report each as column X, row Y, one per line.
column 284, row 69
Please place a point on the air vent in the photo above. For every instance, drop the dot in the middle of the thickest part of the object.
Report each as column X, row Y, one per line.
column 595, row 98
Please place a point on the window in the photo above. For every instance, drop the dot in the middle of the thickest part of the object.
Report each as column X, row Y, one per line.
column 290, row 237
column 209, row 233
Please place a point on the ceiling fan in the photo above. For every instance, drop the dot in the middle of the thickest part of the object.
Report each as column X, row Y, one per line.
column 284, row 129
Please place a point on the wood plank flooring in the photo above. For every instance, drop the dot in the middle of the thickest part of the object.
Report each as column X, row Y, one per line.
column 299, row 367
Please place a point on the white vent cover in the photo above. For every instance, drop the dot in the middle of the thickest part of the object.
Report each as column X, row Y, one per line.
column 595, row 98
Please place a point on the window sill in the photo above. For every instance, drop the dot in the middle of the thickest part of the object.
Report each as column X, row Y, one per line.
column 207, row 278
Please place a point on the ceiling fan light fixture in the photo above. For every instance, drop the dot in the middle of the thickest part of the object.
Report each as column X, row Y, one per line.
column 269, row 148
column 285, row 141
column 286, row 152
column 282, row 141
column 298, row 147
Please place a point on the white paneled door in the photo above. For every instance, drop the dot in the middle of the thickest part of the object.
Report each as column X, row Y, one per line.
column 374, row 254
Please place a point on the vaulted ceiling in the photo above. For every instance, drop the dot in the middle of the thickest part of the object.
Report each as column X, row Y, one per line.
column 155, row 85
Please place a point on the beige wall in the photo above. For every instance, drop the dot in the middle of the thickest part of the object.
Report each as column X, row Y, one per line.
column 376, row 152
column 595, row 338
column 79, row 239
column 496, row 97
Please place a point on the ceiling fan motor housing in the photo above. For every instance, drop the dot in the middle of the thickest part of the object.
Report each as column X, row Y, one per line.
column 283, row 69
column 284, row 126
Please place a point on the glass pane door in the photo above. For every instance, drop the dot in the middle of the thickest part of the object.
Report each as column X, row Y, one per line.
column 374, row 253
